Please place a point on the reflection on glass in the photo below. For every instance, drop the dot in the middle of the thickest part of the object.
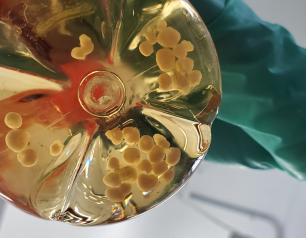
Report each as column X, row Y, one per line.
column 106, row 106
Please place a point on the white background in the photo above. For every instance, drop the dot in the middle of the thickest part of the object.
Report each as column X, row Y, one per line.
column 270, row 192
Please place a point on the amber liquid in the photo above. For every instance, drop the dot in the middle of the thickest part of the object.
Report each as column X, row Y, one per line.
column 69, row 186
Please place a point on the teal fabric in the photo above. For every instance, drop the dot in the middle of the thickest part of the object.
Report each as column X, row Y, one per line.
column 262, row 119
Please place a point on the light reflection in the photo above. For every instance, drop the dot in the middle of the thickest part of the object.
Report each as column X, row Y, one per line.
column 152, row 9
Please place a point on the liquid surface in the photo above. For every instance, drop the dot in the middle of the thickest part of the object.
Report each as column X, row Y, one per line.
column 105, row 106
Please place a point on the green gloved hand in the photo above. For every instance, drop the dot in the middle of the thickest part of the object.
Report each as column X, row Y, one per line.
column 262, row 119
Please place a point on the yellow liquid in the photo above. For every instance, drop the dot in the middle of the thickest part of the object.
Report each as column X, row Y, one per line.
column 90, row 67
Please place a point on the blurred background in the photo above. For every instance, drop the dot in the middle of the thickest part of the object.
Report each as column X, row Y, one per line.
column 218, row 202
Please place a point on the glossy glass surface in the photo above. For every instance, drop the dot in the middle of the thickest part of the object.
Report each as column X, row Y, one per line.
column 105, row 106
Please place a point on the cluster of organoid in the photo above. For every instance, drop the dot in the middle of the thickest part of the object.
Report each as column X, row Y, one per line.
column 18, row 141
column 145, row 161
column 177, row 69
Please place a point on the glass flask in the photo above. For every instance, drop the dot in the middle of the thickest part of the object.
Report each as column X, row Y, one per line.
column 105, row 106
